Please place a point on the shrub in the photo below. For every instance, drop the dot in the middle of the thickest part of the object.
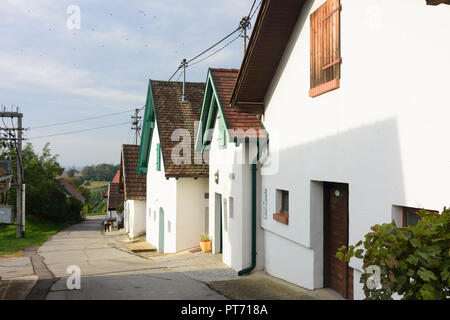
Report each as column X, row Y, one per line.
column 414, row 262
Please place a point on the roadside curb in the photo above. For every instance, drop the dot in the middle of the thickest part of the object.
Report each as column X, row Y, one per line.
column 46, row 278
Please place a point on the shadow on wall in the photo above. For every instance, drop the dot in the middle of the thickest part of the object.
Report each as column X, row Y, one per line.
column 367, row 158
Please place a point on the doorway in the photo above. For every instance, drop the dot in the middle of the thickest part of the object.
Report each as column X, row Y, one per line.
column 218, row 224
column 161, row 231
column 337, row 274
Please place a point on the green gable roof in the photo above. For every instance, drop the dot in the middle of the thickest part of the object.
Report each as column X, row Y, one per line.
column 147, row 131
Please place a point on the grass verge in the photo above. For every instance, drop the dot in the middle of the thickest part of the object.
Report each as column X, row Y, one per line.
column 37, row 232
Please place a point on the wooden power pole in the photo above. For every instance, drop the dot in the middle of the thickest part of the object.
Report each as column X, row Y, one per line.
column 16, row 140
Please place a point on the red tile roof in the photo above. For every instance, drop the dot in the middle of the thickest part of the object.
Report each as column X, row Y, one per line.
column 134, row 185
column 68, row 188
column 172, row 114
column 115, row 197
column 224, row 81
column 116, row 178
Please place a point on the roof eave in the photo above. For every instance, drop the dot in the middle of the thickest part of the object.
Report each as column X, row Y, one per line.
column 264, row 53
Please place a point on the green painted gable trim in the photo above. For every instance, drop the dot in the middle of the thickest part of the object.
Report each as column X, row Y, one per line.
column 211, row 109
column 147, row 131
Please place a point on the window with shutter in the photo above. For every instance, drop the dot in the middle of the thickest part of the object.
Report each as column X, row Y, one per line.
column 158, row 157
column 325, row 48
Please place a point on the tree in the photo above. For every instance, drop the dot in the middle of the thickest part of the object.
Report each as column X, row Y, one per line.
column 71, row 172
column 44, row 196
column 413, row 262
column 100, row 172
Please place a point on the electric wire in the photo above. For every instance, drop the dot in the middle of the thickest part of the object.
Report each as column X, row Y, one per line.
column 78, row 131
column 217, row 51
column 173, row 75
column 204, row 51
column 80, row 120
column 214, row 45
column 256, row 10
column 251, row 9
column 188, row 62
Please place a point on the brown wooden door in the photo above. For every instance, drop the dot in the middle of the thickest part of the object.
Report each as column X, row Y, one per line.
column 337, row 274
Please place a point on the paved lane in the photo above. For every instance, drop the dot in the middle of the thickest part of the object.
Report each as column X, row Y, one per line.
column 110, row 273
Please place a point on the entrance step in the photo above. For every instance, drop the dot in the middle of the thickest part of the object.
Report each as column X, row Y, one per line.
column 140, row 247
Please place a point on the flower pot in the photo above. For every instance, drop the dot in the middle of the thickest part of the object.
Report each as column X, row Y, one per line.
column 205, row 245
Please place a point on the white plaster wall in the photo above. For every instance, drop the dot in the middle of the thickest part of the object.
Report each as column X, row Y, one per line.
column 235, row 182
column 191, row 208
column 136, row 217
column 126, row 220
column 384, row 132
column 161, row 193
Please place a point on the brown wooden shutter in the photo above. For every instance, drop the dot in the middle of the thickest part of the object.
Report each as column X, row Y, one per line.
column 325, row 48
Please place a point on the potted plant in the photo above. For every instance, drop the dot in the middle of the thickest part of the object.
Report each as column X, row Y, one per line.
column 205, row 242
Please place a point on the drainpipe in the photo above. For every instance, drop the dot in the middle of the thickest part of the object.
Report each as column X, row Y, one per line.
column 253, row 264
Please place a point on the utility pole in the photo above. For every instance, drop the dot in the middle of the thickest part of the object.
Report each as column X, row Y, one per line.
column 244, row 25
column 20, row 213
column 135, row 124
column 184, row 65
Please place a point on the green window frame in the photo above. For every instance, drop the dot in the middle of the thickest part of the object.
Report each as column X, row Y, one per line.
column 158, row 157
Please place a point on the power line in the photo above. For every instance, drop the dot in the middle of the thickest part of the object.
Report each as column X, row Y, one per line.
column 173, row 75
column 78, row 131
column 214, row 45
column 203, row 52
column 256, row 10
column 251, row 9
column 80, row 120
column 217, row 51
column 241, row 26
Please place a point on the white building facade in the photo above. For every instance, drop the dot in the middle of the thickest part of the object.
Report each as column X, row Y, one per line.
column 177, row 193
column 133, row 187
column 222, row 135
column 363, row 146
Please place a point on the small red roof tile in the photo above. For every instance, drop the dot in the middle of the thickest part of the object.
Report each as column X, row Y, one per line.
column 134, row 184
column 116, row 178
column 224, row 81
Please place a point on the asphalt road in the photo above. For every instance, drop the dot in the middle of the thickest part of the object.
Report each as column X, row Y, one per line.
column 110, row 273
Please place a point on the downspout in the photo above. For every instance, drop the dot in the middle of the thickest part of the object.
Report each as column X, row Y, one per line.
column 253, row 263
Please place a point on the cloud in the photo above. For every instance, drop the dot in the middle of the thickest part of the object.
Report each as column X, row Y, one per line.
column 55, row 74
column 35, row 74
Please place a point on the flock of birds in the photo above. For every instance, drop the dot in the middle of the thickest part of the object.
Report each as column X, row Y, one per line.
column 102, row 45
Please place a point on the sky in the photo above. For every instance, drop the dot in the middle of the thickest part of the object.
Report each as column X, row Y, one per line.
column 69, row 60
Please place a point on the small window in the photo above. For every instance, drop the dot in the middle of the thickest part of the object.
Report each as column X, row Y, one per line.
column 222, row 133
column 284, row 201
column 411, row 217
column 231, row 206
column 282, row 214
column 325, row 48
column 158, row 157
column 169, row 226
